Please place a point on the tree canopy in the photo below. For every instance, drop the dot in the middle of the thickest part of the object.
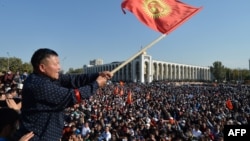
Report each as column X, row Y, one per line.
column 16, row 64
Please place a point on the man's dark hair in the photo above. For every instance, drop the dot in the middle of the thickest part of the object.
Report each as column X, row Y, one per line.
column 39, row 55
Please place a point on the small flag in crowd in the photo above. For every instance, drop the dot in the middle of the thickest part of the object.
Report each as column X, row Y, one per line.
column 116, row 90
column 129, row 98
column 121, row 83
column 121, row 92
column 229, row 104
column 161, row 15
column 148, row 96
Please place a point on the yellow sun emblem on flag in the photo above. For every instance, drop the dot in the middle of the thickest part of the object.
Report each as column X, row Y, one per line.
column 156, row 8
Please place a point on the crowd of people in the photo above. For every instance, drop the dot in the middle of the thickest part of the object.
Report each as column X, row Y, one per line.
column 85, row 107
column 10, row 105
column 10, row 89
column 158, row 111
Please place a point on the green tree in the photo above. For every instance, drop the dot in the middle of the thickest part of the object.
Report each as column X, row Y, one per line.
column 228, row 74
column 241, row 74
column 236, row 75
column 14, row 64
column 218, row 71
column 245, row 74
column 26, row 67
column 3, row 64
column 79, row 70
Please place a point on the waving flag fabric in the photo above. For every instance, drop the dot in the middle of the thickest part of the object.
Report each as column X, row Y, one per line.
column 161, row 15
column 129, row 97
column 229, row 104
column 116, row 90
column 121, row 92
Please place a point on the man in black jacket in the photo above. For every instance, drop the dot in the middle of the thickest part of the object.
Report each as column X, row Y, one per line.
column 46, row 93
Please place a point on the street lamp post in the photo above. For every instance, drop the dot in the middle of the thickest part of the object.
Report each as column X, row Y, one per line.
column 63, row 63
column 8, row 61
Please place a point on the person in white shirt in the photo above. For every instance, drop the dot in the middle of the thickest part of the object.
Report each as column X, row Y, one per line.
column 196, row 132
column 106, row 135
column 85, row 129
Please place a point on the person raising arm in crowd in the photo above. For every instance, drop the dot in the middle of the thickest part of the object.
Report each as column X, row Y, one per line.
column 47, row 93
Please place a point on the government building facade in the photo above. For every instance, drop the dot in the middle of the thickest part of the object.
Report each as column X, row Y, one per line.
column 144, row 69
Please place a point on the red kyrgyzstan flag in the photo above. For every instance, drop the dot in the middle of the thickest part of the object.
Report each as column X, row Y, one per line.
column 116, row 90
column 229, row 104
column 121, row 92
column 129, row 98
column 161, row 15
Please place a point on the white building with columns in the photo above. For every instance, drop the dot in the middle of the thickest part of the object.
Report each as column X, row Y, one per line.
column 145, row 69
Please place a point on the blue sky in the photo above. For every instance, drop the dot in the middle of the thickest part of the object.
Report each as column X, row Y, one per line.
column 83, row 30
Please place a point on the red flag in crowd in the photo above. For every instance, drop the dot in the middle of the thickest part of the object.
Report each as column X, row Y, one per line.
column 160, row 15
column 229, row 104
column 116, row 90
column 148, row 96
column 121, row 83
column 129, row 98
column 121, row 92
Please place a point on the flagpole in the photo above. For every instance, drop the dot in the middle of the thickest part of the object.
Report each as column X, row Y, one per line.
column 138, row 53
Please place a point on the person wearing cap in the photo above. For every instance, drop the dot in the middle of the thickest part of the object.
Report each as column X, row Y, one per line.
column 8, row 78
column 47, row 93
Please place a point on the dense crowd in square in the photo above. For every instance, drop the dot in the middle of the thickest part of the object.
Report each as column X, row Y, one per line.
column 158, row 111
